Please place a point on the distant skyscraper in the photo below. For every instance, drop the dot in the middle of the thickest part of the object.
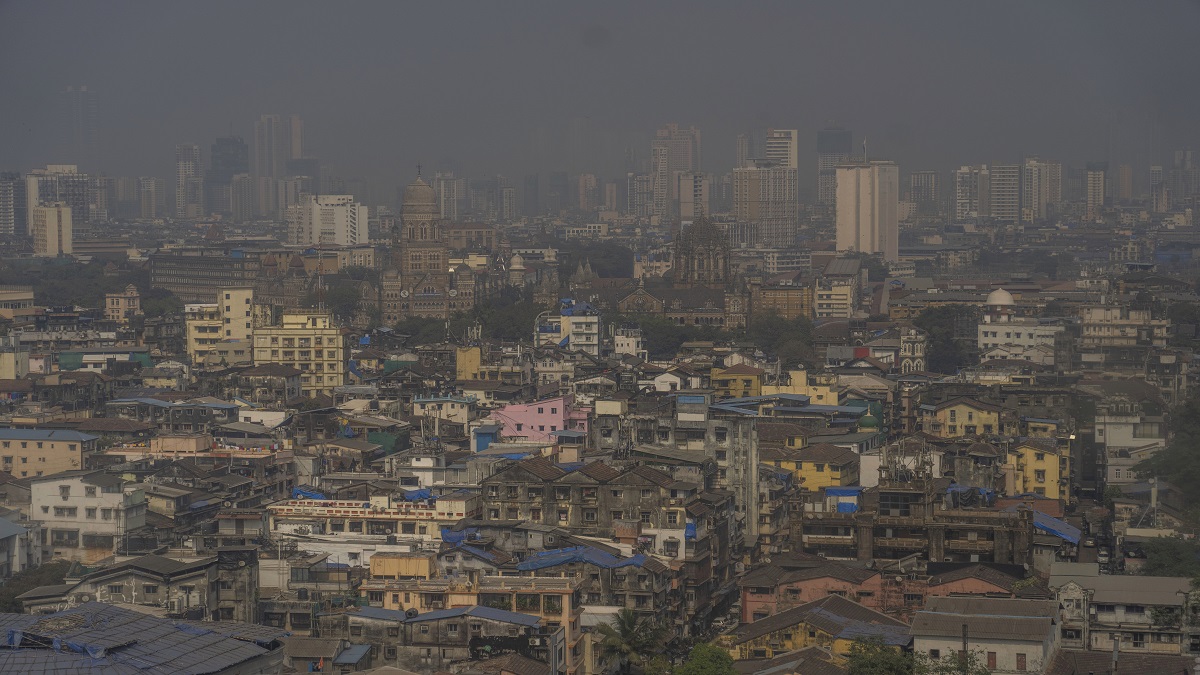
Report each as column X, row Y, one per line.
column 152, row 197
column 925, row 190
column 1006, row 192
column 531, row 204
column 1097, row 180
column 972, row 192
column 1159, row 195
column 1041, row 189
column 230, row 156
column 673, row 150
column 766, row 197
column 81, row 112
column 694, row 189
column 639, row 194
column 189, row 186
column 13, row 212
column 558, row 192
column 277, row 139
column 745, row 151
column 868, row 205
column 833, row 149
column 588, row 190
column 1125, row 183
column 241, row 198
column 783, row 148
column 50, row 227
column 448, row 189
column 63, row 183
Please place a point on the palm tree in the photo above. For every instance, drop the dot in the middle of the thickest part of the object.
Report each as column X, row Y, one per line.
column 630, row 639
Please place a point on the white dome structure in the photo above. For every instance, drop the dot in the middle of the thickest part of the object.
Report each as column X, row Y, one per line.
column 1000, row 298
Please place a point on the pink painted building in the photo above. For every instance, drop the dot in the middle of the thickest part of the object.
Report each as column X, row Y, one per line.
column 538, row 420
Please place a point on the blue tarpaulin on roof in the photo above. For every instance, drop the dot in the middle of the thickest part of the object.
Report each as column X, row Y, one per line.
column 851, row 491
column 451, row 537
column 1062, row 530
column 300, row 493
column 847, row 507
column 364, row 340
column 414, row 495
column 689, row 531
column 585, row 554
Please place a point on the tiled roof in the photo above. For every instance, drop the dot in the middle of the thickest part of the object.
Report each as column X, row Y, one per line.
column 832, row 614
column 600, row 471
column 541, row 467
column 478, row 611
column 828, row 453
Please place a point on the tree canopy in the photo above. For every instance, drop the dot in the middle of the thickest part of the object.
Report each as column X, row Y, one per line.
column 948, row 327
column 707, row 659
column 630, row 639
column 47, row 574
column 1169, row 557
column 1179, row 462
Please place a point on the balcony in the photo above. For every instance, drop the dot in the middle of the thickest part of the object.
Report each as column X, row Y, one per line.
column 829, row 540
column 907, row 543
column 977, row 546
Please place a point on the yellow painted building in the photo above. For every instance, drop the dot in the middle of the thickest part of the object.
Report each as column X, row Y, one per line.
column 310, row 341
column 222, row 331
column 833, row 622
column 1036, row 466
column 419, row 565
column 468, row 362
column 826, row 465
column 964, row 417
column 820, row 388
column 737, row 381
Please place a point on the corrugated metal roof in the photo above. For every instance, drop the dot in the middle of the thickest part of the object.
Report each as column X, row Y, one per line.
column 45, row 435
column 479, row 612
column 578, row 554
column 108, row 640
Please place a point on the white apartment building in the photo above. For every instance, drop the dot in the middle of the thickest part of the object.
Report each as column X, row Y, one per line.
column 868, row 202
column 327, row 219
column 51, row 226
column 84, row 513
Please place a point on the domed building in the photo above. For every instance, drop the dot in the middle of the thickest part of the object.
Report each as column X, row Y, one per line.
column 422, row 283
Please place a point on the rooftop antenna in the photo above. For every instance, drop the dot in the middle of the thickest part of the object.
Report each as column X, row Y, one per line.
column 864, row 148
column 418, row 169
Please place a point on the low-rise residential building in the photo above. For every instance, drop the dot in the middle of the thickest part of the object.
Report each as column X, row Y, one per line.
column 85, row 513
column 1011, row 635
column 832, row 622
column 382, row 515
column 28, row 453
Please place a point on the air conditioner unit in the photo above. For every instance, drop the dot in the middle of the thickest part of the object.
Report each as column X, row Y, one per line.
column 436, row 604
column 535, row 642
column 173, row 605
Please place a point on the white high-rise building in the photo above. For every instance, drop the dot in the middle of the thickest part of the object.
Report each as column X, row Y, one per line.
column 50, row 225
column 766, row 196
column 783, row 148
column 673, row 150
column 189, row 181
column 1006, row 192
column 972, row 192
column 694, row 190
column 1041, row 189
column 1095, row 194
column 327, row 219
column 868, row 204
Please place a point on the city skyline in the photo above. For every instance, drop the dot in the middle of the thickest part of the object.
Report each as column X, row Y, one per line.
column 1094, row 103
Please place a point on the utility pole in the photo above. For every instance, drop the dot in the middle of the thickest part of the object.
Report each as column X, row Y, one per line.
column 962, row 655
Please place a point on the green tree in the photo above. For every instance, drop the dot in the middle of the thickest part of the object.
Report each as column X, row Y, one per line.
column 707, row 659
column 48, row 574
column 1179, row 462
column 954, row 664
column 631, row 640
column 1170, row 557
column 872, row 657
column 948, row 327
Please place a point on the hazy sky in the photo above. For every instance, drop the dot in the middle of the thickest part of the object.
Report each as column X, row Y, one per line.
column 510, row 87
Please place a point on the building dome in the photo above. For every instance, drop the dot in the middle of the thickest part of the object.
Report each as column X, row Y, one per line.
column 1000, row 298
column 420, row 199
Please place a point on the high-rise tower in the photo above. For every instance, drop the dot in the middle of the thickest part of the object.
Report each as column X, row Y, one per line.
column 189, row 183
column 833, row 149
column 868, row 205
